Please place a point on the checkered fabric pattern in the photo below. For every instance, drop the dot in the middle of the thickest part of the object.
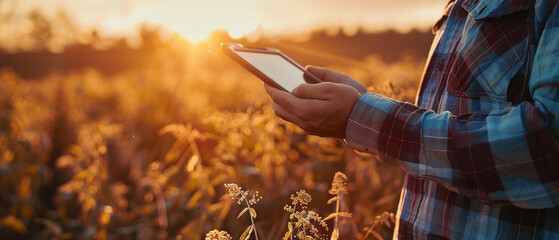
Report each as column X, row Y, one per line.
column 481, row 145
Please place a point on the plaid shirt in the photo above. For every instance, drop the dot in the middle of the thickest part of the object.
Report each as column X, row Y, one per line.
column 481, row 145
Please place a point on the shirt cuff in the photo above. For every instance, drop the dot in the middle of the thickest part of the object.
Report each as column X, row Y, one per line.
column 365, row 122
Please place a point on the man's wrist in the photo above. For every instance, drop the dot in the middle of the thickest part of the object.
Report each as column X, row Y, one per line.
column 352, row 118
column 364, row 122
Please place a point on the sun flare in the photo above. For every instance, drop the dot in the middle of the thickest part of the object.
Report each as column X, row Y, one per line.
column 195, row 21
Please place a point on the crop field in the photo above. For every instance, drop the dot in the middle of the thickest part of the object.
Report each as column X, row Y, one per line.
column 145, row 153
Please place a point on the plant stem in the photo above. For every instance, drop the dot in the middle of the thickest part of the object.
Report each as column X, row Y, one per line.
column 337, row 211
column 294, row 207
column 251, row 219
column 370, row 230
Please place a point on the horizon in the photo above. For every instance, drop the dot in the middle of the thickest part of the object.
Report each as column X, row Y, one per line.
column 196, row 21
column 135, row 41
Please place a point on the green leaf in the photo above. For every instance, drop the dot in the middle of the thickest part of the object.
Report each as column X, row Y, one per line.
column 339, row 214
column 246, row 233
column 242, row 212
column 253, row 212
column 287, row 235
column 332, row 215
column 333, row 199
column 335, row 234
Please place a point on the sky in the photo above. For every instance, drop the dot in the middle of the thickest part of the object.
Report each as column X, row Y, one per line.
column 196, row 19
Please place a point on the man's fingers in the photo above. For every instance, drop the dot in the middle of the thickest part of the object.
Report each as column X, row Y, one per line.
column 281, row 112
column 286, row 100
column 326, row 75
column 286, row 115
column 278, row 96
column 335, row 77
column 272, row 91
column 312, row 91
column 317, row 71
column 319, row 91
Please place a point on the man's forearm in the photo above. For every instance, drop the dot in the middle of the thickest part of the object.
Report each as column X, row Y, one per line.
column 484, row 155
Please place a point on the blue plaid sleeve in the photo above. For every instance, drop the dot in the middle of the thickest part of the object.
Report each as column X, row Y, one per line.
column 507, row 156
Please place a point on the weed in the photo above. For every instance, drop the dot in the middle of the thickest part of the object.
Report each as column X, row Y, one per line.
column 237, row 193
column 301, row 219
column 385, row 218
column 339, row 188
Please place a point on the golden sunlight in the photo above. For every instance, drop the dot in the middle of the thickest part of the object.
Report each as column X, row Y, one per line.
column 123, row 120
column 196, row 20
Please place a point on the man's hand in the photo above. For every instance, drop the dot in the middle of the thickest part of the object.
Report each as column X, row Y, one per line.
column 320, row 109
column 331, row 76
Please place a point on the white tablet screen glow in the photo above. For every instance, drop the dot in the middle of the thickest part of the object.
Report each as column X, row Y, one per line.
column 275, row 67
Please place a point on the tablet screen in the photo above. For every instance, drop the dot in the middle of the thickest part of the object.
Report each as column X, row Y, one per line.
column 275, row 67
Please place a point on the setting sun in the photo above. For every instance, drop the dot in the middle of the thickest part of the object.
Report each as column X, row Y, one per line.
column 196, row 20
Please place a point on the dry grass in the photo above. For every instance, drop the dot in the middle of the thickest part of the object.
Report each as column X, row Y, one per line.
column 144, row 154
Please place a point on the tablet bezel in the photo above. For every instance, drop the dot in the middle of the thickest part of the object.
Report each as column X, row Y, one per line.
column 230, row 50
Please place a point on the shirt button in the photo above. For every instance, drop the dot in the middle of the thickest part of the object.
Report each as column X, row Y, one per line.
column 462, row 12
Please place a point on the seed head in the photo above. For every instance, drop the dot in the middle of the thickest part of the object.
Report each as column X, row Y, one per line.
column 301, row 197
column 236, row 192
column 339, row 184
column 218, row 235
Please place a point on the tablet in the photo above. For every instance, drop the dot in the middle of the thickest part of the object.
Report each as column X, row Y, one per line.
column 270, row 65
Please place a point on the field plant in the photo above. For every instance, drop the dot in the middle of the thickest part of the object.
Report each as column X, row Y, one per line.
column 386, row 219
column 302, row 221
column 144, row 153
column 339, row 188
column 241, row 196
